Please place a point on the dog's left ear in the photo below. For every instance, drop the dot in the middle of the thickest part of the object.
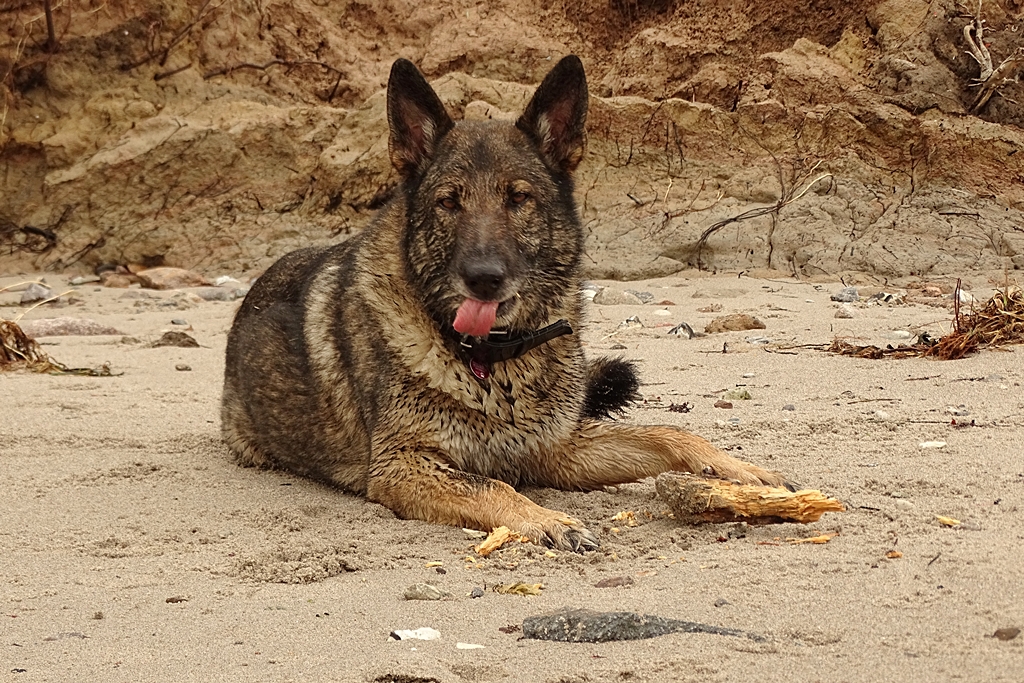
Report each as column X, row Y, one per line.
column 556, row 117
column 416, row 117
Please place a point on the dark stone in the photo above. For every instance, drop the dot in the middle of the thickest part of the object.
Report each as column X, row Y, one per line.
column 176, row 339
column 586, row 626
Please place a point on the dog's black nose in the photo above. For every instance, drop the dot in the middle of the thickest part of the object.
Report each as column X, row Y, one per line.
column 484, row 278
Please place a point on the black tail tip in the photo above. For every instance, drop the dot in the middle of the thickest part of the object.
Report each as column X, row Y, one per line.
column 612, row 385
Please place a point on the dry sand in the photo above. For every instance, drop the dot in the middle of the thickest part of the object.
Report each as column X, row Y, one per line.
column 133, row 549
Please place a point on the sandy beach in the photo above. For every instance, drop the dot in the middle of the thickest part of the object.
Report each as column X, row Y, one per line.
column 133, row 548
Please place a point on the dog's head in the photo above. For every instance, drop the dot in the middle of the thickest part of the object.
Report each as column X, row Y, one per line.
column 492, row 238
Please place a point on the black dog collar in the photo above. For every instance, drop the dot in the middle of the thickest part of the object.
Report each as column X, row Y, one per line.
column 483, row 353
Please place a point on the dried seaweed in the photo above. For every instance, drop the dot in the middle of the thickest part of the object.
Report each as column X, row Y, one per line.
column 18, row 351
column 999, row 322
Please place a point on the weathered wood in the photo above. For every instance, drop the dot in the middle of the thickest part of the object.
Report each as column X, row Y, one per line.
column 695, row 500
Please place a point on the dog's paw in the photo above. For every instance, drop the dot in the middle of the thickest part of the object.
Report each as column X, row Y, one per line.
column 560, row 533
column 743, row 472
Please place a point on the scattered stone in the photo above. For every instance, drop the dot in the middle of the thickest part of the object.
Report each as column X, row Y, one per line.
column 179, row 321
column 618, row 347
column 477, row 592
column 901, row 335
column 65, row 327
column 182, row 301
column 130, row 340
column 615, row 582
column 518, row 588
column 723, row 404
column 721, row 602
column 713, row 308
column 590, row 291
column 475, row 534
column 632, row 322
column 881, row 415
column 844, row 312
column 35, row 292
column 736, row 322
column 737, row 395
column 931, row 291
column 117, row 280
column 181, row 367
column 587, row 626
column 176, row 339
column 682, row 330
column 468, row 646
column 214, row 293
column 959, row 411
column 733, row 422
column 933, row 444
column 227, row 281
column 789, row 406
column 171, row 278
column 749, row 375
column 887, row 298
column 1006, row 633
column 424, row 633
column 846, row 295
column 83, row 280
column 666, row 302
column 425, row 591
column 662, row 311
column 758, row 340
column 644, row 297
column 614, row 297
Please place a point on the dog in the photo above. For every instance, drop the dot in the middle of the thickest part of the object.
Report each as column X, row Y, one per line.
column 431, row 363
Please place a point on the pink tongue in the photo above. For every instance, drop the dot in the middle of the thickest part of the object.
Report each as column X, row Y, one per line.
column 476, row 318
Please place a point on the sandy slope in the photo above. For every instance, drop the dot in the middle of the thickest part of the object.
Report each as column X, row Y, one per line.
column 117, row 496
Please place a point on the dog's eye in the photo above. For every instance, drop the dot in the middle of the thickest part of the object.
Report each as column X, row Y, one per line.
column 448, row 203
column 519, row 198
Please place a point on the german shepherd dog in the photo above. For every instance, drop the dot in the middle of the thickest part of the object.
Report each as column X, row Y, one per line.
column 431, row 363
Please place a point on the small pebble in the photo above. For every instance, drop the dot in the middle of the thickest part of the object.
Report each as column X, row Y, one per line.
column 181, row 367
column 662, row 311
column 748, row 375
column 179, row 321
column 35, row 292
column 468, row 646
column 901, row 334
column 789, row 406
column 844, row 312
column 958, row 411
column 721, row 602
column 723, row 404
column 645, row 297
column 1006, row 633
column 477, row 592
column 613, row 297
column 425, row 633
column 632, row 322
column 933, row 444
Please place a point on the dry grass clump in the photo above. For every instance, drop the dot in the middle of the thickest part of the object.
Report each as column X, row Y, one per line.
column 18, row 351
column 999, row 322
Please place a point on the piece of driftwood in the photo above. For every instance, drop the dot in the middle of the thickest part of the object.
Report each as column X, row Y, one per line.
column 695, row 500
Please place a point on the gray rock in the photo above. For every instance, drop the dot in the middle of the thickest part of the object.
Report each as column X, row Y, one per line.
column 83, row 280
column 613, row 297
column 846, row 295
column 789, row 406
column 587, row 626
column 425, row 591
column 65, row 327
column 35, row 292
column 477, row 592
column 215, row 293
column 644, row 297
column 632, row 322
column 179, row 321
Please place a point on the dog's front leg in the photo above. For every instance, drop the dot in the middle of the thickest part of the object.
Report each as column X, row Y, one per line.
column 605, row 454
column 418, row 484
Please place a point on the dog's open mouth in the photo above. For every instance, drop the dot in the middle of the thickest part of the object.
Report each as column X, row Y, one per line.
column 476, row 318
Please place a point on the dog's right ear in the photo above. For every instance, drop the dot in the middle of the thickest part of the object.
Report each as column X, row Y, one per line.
column 416, row 117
